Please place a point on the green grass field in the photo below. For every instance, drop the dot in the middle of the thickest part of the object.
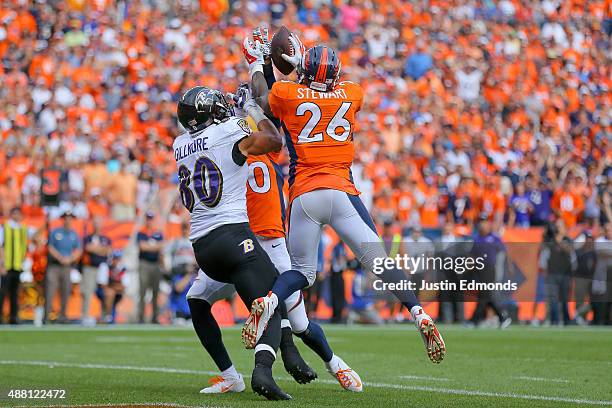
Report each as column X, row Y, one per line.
column 149, row 365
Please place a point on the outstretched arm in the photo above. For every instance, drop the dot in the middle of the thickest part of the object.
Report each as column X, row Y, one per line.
column 265, row 140
column 259, row 87
column 258, row 56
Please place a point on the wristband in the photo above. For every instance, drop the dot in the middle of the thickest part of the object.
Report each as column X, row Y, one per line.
column 256, row 68
column 256, row 113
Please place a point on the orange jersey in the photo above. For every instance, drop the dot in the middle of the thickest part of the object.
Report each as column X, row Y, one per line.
column 569, row 204
column 265, row 202
column 320, row 129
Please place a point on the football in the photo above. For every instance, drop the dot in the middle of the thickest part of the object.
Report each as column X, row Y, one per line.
column 281, row 45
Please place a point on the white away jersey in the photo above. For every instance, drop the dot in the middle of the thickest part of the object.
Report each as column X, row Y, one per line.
column 211, row 184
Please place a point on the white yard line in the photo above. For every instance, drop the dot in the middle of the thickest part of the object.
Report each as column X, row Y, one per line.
column 139, row 404
column 523, row 377
column 423, row 377
column 473, row 393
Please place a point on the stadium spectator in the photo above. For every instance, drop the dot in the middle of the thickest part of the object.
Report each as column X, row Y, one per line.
column 180, row 283
column 586, row 264
column 97, row 249
column 451, row 302
column 601, row 291
column 64, row 252
column 337, row 266
column 558, row 255
column 112, row 286
column 419, row 62
column 489, row 247
column 122, row 187
column 14, row 237
column 178, row 253
column 417, row 244
column 150, row 244
column 39, row 254
column 520, row 207
column 362, row 309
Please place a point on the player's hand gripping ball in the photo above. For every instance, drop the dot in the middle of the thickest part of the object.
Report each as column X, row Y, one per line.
column 286, row 45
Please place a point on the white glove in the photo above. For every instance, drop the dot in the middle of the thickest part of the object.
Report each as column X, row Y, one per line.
column 298, row 51
column 254, row 55
column 260, row 35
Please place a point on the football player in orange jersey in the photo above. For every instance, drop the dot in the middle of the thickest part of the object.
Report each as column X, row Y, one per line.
column 318, row 113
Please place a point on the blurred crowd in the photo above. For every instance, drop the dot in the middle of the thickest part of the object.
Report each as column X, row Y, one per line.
column 474, row 109
column 496, row 107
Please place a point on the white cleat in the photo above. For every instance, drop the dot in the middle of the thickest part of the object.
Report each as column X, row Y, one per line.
column 436, row 349
column 346, row 376
column 262, row 310
column 220, row 385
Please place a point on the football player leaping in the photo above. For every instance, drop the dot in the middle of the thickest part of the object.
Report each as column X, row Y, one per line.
column 265, row 206
column 211, row 157
column 319, row 113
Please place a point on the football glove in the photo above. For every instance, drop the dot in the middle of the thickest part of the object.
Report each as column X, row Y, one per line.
column 254, row 55
column 298, row 51
column 245, row 104
column 239, row 99
column 260, row 35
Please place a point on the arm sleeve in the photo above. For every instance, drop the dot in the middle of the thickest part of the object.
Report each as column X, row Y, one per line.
column 237, row 155
column 268, row 71
column 270, row 80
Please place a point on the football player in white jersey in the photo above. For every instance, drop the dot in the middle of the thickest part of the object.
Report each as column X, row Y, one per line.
column 211, row 157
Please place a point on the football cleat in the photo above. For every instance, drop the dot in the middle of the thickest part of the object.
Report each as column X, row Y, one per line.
column 298, row 368
column 263, row 384
column 346, row 376
column 220, row 385
column 436, row 349
column 262, row 310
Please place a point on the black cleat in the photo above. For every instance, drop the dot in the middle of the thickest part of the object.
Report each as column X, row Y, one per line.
column 298, row 368
column 263, row 384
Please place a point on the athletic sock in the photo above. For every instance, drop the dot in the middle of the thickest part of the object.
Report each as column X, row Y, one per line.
column 264, row 358
column 230, row 373
column 415, row 310
column 287, row 283
column 332, row 364
column 287, row 345
column 208, row 332
column 314, row 338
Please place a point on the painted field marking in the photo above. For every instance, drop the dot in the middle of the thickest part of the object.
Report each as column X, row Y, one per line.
column 557, row 380
column 423, row 377
column 453, row 391
column 135, row 405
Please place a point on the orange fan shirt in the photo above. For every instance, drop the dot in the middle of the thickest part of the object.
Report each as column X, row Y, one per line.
column 569, row 204
column 320, row 139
